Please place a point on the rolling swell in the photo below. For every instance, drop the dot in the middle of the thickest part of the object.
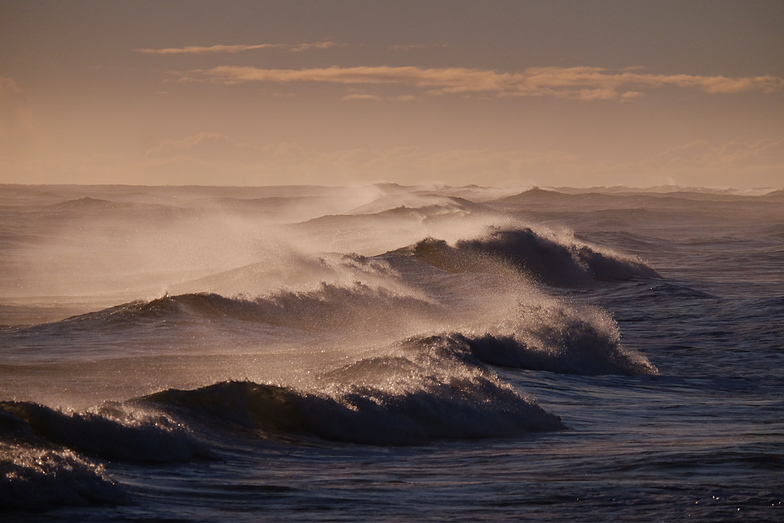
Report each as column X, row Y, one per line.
column 552, row 261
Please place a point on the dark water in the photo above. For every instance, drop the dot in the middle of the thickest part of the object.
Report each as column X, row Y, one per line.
column 390, row 353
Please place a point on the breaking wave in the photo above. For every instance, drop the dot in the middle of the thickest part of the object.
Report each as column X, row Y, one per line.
column 547, row 259
column 48, row 457
column 415, row 392
column 329, row 305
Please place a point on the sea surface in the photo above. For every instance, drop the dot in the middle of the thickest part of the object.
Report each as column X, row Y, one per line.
column 390, row 353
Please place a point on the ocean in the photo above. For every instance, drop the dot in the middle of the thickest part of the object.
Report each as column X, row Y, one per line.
column 391, row 353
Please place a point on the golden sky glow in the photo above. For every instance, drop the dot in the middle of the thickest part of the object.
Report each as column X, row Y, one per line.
column 493, row 93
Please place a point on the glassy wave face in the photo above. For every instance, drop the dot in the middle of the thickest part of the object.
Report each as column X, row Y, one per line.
column 390, row 352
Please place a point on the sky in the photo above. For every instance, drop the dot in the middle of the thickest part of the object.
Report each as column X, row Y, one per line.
column 497, row 93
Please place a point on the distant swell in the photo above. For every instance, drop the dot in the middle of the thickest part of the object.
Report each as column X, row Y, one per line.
column 561, row 263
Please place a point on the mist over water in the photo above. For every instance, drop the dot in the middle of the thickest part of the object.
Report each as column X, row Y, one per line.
column 317, row 329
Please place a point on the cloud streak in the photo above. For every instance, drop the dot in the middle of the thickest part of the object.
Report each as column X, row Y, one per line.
column 582, row 83
column 416, row 47
column 232, row 49
column 318, row 45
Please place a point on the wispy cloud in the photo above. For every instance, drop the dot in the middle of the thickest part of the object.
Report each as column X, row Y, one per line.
column 375, row 98
column 192, row 49
column 231, row 49
column 318, row 45
column 582, row 83
column 417, row 47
